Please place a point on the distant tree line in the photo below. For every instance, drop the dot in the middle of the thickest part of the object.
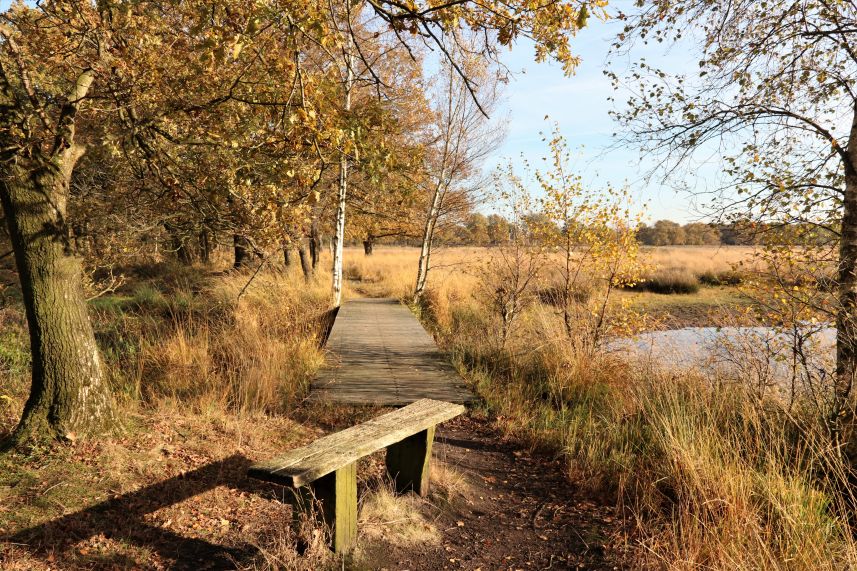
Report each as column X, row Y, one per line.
column 477, row 229
column 669, row 233
column 737, row 233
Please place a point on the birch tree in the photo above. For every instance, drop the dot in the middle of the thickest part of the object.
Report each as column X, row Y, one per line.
column 463, row 136
column 775, row 96
column 590, row 234
column 339, row 231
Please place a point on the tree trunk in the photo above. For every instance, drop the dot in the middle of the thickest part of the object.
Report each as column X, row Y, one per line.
column 428, row 238
column 306, row 263
column 369, row 245
column 846, row 319
column 339, row 234
column 70, row 396
column 314, row 243
column 242, row 251
column 205, row 246
column 179, row 245
column 566, row 292
column 287, row 255
column 183, row 253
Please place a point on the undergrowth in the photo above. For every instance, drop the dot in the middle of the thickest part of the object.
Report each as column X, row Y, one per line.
column 708, row 475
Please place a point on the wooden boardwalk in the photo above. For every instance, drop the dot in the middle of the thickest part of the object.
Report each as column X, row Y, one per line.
column 379, row 354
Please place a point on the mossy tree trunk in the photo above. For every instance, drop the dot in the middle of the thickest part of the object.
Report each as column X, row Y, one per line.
column 70, row 396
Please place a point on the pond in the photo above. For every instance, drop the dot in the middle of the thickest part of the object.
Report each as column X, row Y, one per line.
column 764, row 354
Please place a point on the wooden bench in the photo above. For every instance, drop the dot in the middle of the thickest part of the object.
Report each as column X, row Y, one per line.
column 326, row 470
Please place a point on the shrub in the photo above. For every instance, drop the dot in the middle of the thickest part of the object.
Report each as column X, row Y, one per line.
column 712, row 278
column 668, row 281
column 553, row 295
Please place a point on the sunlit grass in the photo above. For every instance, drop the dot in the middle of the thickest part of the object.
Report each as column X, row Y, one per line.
column 709, row 477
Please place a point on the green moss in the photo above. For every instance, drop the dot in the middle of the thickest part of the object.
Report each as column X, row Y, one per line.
column 43, row 483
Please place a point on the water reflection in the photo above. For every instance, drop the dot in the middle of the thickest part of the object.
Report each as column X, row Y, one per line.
column 762, row 356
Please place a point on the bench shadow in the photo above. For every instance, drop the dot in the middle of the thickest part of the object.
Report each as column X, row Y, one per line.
column 122, row 518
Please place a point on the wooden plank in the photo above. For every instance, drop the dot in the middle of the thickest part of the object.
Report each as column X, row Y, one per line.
column 304, row 465
column 337, row 493
column 409, row 462
column 379, row 354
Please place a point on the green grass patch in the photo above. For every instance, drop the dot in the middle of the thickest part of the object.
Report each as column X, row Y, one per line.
column 14, row 352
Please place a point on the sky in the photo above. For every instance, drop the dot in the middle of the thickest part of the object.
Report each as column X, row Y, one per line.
column 579, row 104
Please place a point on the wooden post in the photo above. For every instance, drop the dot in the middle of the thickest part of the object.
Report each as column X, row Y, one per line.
column 337, row 494
column 408, row 462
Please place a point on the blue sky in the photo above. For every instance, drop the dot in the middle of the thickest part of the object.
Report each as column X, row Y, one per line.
column 580, row 105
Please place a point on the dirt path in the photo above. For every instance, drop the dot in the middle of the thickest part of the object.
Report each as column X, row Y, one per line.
column 189, row 510
column 520, row 513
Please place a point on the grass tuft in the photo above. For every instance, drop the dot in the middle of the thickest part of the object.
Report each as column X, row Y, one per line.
column 668, row 281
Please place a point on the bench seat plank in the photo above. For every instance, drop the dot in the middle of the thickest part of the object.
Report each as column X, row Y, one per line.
column 304, row 465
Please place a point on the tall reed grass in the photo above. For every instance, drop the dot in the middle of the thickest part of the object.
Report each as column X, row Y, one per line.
column 217, row 341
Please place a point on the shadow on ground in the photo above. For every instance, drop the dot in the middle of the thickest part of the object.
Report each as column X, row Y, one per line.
column 123, row 518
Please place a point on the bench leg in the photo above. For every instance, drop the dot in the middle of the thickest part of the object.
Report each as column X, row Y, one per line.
column 408, row 462
column 337, row 493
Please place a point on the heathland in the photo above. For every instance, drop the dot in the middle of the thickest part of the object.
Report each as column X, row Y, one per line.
column 211, row 369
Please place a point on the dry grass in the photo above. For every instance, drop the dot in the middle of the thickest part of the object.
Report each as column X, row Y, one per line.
column 448, row 485
column 217, row 343
column 683, row 269
column 390, row 271
column 277, row 548
column 741, row 490
column 713, row 478
column 698, row 260
column 393, row 518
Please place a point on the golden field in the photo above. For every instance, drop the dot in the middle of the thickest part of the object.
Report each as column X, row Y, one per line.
column 390, row 272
